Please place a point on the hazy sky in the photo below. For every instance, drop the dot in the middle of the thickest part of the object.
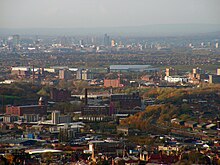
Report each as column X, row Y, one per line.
column 105, row 13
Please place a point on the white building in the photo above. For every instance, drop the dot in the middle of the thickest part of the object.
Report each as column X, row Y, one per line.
column 55, row 117
column 20, row 68
column 64, row 119
column 175, row 79
column 216, row 45
column 10, row 119
column 31, row 117
column 218, row 71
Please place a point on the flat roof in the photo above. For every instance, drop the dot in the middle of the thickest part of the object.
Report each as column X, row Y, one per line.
column 25, row 106
column 59, row 67
column 39, row 151
column 126, row 67
column 22, row 68
column 97, row 106
column 210, row 125
column 103, row 141
column 15, row 141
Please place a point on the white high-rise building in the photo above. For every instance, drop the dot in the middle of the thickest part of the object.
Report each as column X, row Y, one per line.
column 55, row 117
column 216, row 45
column 218, row 72
column 64, row 74
column 84, row 74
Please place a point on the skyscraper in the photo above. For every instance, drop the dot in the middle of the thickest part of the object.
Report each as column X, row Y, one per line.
column 113, row 43
column 106, row 40
column 170, row 72
column 79, row 74
column 55, row 117
column 64, row 74
column 218, row 72
column 16, row 40
column 216, row 45
column 13, row 42
column 84, row 74
column 81, row 42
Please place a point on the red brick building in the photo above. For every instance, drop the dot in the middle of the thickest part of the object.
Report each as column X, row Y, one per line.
column 125, row 104
column 60, row 94
column 26, row 109
column 112, row 83
column 96, row 111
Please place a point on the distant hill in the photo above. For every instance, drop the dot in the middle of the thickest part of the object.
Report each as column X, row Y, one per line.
column 148, row 30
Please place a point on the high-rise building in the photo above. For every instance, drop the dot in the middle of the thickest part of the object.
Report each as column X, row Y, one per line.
column 214, row 79
column 55, row 117
column 216, row 45
column 84, row 74
column 106, row 40
column 198, row 71
column 198, row 74
column 170, row 72
column 81, row 42
column 79, row 74
column 64, row 74
column 87, row 74
column 218, row 72
column 16, row 40
column 13, row 42
column 113, row 43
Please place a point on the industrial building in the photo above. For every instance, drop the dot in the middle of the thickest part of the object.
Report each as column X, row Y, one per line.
column 59, row 94
column 134, row 68
column 40, row 109
column 122, row 103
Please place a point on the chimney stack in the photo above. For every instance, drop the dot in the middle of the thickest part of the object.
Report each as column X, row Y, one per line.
column 86, row 96
column 33, row 74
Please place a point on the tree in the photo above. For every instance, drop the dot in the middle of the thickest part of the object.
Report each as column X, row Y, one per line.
column 9, row 158
column 44, row 92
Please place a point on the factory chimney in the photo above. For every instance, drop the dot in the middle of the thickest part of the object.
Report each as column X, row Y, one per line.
column 86, row 96
column 33, row 74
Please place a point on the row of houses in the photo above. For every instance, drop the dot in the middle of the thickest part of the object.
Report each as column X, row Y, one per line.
column 193, row 124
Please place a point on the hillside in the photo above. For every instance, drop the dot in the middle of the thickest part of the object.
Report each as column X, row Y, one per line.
column 184, row 104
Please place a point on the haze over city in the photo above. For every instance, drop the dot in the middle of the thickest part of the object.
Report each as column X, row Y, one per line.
column 109, row 82
column 115, row 16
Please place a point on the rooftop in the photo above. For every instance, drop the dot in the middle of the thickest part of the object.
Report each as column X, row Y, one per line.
column 26, row 106
column 127, row 67
column 38, row 151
